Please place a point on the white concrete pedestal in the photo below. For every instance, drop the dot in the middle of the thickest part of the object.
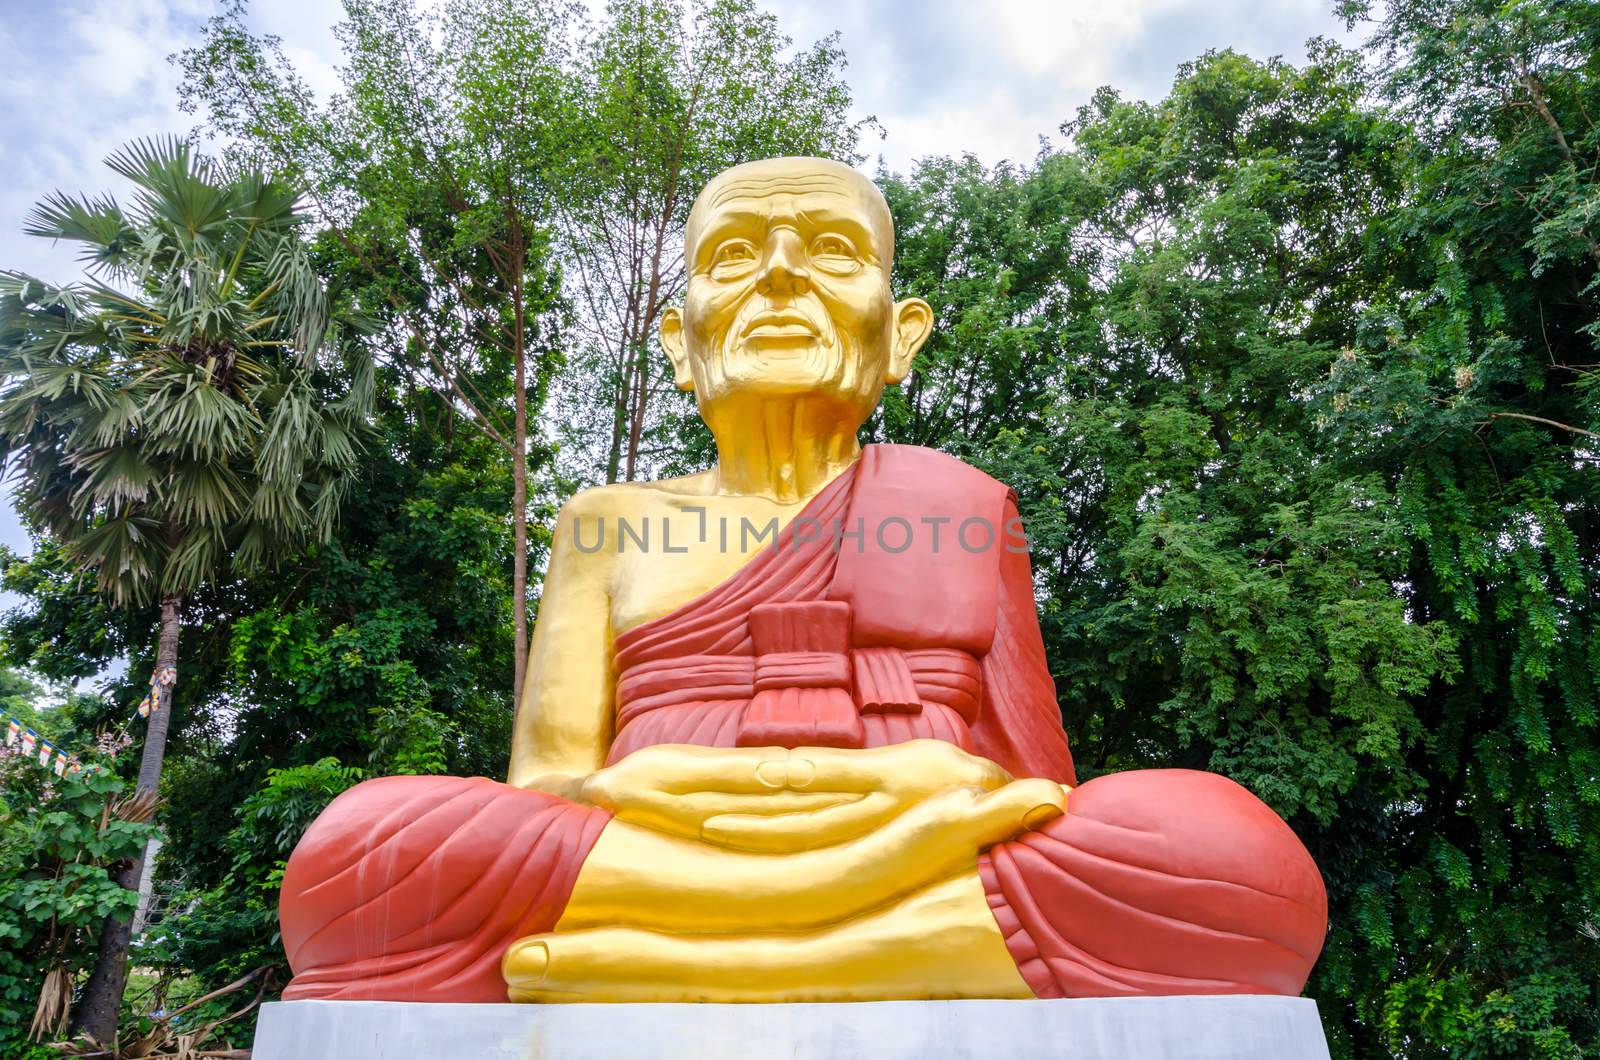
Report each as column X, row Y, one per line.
column 1145, row 1028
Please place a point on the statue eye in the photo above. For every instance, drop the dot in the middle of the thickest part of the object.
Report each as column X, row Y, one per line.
column 835, row 254
column 733, row 257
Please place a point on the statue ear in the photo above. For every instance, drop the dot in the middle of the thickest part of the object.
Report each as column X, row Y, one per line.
column 913, row 323
column 677, row 352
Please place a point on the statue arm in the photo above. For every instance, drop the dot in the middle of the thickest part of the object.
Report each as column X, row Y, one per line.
column 564, row 723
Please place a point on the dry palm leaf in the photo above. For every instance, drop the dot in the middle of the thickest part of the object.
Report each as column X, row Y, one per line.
column 55, row 1005
column 138, row 808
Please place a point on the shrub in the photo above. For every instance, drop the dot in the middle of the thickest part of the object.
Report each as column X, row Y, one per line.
column 60, row 840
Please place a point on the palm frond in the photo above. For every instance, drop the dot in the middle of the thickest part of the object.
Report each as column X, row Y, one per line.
column 328, row 498
column 193, row 419
column 361, row 392
column 177, row 187
column 53, row 381
column 106, row 423
column 195, row 562
column 293, row 427
column 271, row 205
column 202, row 493
column 108, row 240
column 124, row 553
column 279, row 507
column 37, row 318
column 180, row 424
column 297, row 295
column 115, row 479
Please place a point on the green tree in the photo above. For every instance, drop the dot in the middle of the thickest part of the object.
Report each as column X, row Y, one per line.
column 184, row 428
column 1297, row 390
column 429, row 172
column 1473, row 387
column 19, row 696
column 384, row 651
column 231, row 927
column 666, row 95
column 1293, row 371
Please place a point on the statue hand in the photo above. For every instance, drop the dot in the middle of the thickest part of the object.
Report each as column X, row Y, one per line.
column 780, row 800
column 639, row 878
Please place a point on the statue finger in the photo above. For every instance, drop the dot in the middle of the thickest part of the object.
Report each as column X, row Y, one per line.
column 944, row 834
column 918, row 767
column 674, row 769
column 628, row 964
column 1018, row 807
column 611, row 964
column 795, row 832
column 685, row 814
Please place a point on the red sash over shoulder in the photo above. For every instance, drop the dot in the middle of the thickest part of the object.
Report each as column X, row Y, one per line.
column 897, row 606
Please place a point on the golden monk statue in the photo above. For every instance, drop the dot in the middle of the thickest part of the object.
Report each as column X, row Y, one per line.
column 789, row 733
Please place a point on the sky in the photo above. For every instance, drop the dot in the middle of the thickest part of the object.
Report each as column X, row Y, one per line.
column 81, row 77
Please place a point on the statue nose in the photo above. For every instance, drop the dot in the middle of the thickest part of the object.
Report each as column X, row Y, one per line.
column 783, row 272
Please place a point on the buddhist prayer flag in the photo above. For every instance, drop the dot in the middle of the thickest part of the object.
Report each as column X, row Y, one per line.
column 164, row 678
column 33, row 745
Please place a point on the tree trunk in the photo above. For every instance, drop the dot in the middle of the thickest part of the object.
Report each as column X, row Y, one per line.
column 619, row 419
column 147, row 885
column 652, row 309
column 641, row 394
column 102, row 995
column 519, row 509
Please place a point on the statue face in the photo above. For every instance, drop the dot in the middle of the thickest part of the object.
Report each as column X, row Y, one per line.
column 788, row 288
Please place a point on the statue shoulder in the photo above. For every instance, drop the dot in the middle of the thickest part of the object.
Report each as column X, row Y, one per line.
column 932, row 468
column 616, row 499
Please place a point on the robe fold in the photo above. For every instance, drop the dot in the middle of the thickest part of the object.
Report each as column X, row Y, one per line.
column 411, row 888
column 897, row 606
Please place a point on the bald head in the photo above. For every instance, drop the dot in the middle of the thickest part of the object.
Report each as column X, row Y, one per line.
column 792, row 180
column 787, row 300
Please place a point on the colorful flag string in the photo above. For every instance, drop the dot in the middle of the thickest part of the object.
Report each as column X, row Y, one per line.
column 50, row 756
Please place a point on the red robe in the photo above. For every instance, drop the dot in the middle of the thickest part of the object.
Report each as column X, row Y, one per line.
column 898, row 605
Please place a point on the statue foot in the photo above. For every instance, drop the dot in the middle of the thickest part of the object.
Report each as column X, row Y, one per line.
column 525, row 963
column 940, row 942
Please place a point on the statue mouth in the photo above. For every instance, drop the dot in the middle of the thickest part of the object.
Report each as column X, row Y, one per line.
column 781, row 326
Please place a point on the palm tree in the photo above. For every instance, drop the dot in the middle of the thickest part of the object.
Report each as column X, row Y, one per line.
column 198, row 421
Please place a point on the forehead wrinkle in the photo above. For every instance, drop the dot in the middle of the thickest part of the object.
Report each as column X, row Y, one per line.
column 795, row 188
column 764, row 186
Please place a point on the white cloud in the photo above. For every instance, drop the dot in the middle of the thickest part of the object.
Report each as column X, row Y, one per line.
column 948, row 76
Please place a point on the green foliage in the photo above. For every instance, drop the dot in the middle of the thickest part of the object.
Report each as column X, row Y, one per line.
column 200, row 423
column 18, row 695
column 665, row 95
column 388, row 652
column 231, row 928
column 436, row 215
column 1298, row 396
column 58, row 839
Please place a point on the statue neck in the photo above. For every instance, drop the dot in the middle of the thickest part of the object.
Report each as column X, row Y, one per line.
column 785, row 449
